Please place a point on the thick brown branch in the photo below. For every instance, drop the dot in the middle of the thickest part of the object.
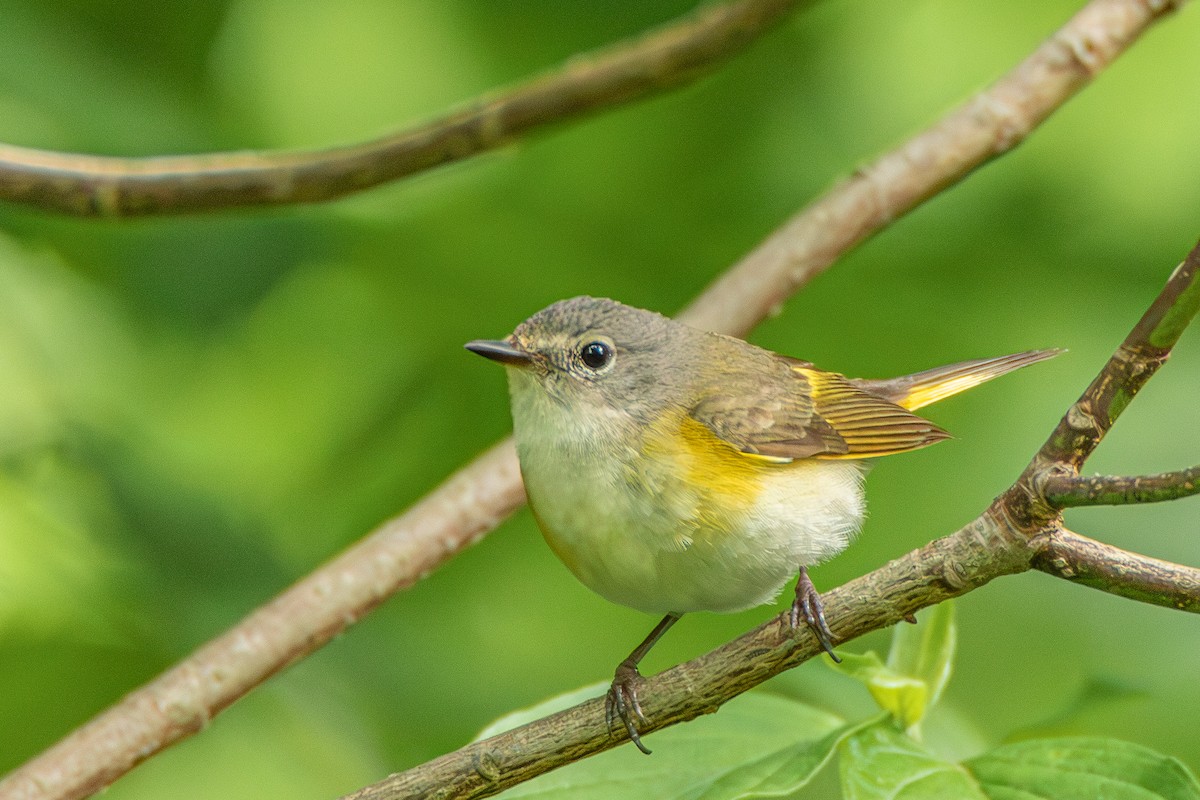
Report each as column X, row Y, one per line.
column 945, row 568
column 1110, row 569
column 1068, row 491
column 121, row 187
column 178, row 702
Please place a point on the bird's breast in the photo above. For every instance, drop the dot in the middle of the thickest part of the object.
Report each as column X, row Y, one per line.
column 667, row 517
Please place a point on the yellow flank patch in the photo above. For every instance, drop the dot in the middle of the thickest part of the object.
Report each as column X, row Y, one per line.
column 724, row 480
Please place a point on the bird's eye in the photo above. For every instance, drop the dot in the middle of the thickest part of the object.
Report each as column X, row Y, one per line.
column 596, row 355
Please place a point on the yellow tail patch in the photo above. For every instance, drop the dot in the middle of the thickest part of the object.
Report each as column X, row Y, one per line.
column 928, row 387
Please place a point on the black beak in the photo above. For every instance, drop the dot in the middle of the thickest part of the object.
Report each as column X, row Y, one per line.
column 500, row 350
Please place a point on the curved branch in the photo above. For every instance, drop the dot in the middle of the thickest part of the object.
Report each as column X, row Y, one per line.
column 672, row 56
column 178, row 702
column 988, row 125
column 184, row 699
column 1081, row 560
column 1068, row 491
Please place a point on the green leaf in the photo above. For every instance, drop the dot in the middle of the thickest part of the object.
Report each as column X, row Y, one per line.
column 917, row 668
column 1082, row 769
column 903, row 697
column 880, row 762
column 759, row 745
column 1098, row 696
column 551, row 705
column 925, row 651
column 780, row 773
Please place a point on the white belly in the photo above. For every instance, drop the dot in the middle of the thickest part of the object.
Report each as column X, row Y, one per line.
column 639, row 541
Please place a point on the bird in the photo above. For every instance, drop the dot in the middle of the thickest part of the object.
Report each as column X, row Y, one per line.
column 675, row 470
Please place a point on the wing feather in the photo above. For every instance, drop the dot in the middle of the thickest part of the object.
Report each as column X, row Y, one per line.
column 809, row 413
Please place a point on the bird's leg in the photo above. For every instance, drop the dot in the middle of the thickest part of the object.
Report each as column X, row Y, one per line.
column 622, row 699
column 808, row 605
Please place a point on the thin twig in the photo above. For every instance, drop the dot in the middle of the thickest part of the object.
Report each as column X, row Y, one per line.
column 253, row 650
column 672, row 56
column 1139, row 356
column 1081, row 560
column 1069, row 491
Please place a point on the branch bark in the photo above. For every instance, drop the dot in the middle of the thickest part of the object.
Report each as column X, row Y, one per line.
column 184, row 699
column 1003, row 540
column 945, row 568
column 1139, row 357
column 310, row 613
column 1069, row 491
column 672, row 56
column 1085, row 561
column 1081, row 429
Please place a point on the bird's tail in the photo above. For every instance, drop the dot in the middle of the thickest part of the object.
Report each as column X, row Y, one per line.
column 923, row 388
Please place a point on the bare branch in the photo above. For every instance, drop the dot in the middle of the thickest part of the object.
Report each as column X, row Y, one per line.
column 988, row 125
column 945, row 568
column 1079, row 559
column 672, row 56
column 409, row 547
column 1068, row 491
column 1139, row 356
column 184, row 699
column 1086, row 422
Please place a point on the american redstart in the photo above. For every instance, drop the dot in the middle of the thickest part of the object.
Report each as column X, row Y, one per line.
column 677, row 470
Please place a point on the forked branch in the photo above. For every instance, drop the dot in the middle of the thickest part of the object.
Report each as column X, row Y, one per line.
column 1018, row 531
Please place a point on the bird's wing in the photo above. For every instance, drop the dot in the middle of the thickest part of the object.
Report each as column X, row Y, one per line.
column 819, row 415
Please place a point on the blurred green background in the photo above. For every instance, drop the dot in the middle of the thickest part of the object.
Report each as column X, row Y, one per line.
column 195, row 412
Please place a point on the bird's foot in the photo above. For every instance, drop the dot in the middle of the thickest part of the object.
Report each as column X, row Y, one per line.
column 622, row 702
column 808, row 606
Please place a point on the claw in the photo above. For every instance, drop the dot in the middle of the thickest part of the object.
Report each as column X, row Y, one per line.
column 622, row 701
column 622, row 698
column 809, row 606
